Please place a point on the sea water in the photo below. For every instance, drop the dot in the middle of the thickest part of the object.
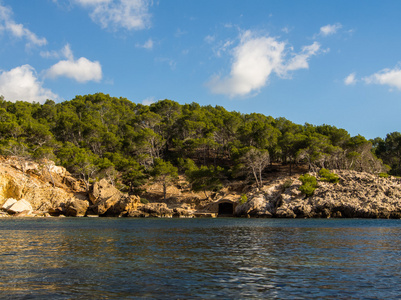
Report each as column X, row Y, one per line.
column 223, row 258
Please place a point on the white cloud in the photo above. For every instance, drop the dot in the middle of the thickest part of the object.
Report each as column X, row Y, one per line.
column 21, row 83
column 18, row 30
column 148, row 101
column 223, row 48
column 114, row 14
column 65, row 52
column 254, row 60
column 390, row 77
column 147, row 45
column 81, row 70
column 209, row 39
column 300, row 61
column 330, row 29
column 350, row 79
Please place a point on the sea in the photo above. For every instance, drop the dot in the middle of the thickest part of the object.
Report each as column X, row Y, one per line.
column 220, row 258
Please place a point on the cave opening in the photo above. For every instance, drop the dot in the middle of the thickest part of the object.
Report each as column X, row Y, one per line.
column 226, row 209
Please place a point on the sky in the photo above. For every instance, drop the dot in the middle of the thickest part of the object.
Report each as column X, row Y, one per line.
column 317, row 62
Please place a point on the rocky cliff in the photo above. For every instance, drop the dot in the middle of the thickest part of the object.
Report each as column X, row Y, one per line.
column 29, row 188
column 356, row 195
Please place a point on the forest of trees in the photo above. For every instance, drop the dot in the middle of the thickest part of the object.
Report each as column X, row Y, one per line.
column 98, row 136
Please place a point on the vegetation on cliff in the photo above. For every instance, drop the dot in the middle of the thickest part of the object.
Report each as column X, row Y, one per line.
column 98, row 136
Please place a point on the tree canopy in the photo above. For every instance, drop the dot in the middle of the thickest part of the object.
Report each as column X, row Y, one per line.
column 97, row 135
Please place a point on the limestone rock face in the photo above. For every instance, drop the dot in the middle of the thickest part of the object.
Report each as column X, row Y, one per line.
column 42, row 186
column 357, row 195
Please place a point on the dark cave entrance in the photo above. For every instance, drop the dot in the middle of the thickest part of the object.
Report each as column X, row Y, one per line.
column 226, row 209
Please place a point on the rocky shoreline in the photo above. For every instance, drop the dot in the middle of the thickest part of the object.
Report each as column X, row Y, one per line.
column 356, row 195
column 27, row 189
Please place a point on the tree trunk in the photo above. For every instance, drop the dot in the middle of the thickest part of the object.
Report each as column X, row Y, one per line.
column 256, row 177
column 164, row 191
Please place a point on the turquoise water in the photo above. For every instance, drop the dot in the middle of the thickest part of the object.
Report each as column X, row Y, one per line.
column 96, row 258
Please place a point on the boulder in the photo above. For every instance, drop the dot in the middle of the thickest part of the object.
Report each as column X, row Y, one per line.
column 127, row 203
column 56, row 211
column 20, row 206
column 257, row 206
column 183, row 212
column 8, row 203
column 157, row 210
column 136, row 214
column 76, row 208
column 105, row 198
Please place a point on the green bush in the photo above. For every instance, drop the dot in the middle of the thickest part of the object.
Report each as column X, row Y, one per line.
column 326, row 175
column 307, row 189
column 309, row 184
column 383, row 175
column 243, row 199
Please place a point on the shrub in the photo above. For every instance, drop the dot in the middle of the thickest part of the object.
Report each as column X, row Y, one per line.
column 144, row 201
column 286, row 185
column 243, row 199
column 383, row 175
column 309, row 184
column 326, row 175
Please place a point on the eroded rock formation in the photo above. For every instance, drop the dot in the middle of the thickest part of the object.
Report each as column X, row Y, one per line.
column 28, row 188
column 357, row 195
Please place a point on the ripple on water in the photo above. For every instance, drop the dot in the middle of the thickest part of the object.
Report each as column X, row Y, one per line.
column 200, row 258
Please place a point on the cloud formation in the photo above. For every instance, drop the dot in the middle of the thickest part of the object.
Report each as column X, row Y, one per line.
column 65, row 52
column 18, row 30
column 255, row 59
column 115, row 14
column 81, row 70
column 21, row 83
column 300, row 61
column 390, row 77
column 350, row 79
column 330, row 29
column 148, row 101
column 148, row 45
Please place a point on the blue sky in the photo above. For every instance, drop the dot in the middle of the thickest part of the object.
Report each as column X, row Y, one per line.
column 320, row 62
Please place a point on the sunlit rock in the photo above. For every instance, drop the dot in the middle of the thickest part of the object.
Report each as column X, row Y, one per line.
column 8, row 203
column 20, row 206
column 76, row 208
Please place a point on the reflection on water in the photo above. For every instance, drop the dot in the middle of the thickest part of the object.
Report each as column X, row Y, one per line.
column 199, row 258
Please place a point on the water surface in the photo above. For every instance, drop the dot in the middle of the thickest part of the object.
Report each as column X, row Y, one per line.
column 117, row 258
